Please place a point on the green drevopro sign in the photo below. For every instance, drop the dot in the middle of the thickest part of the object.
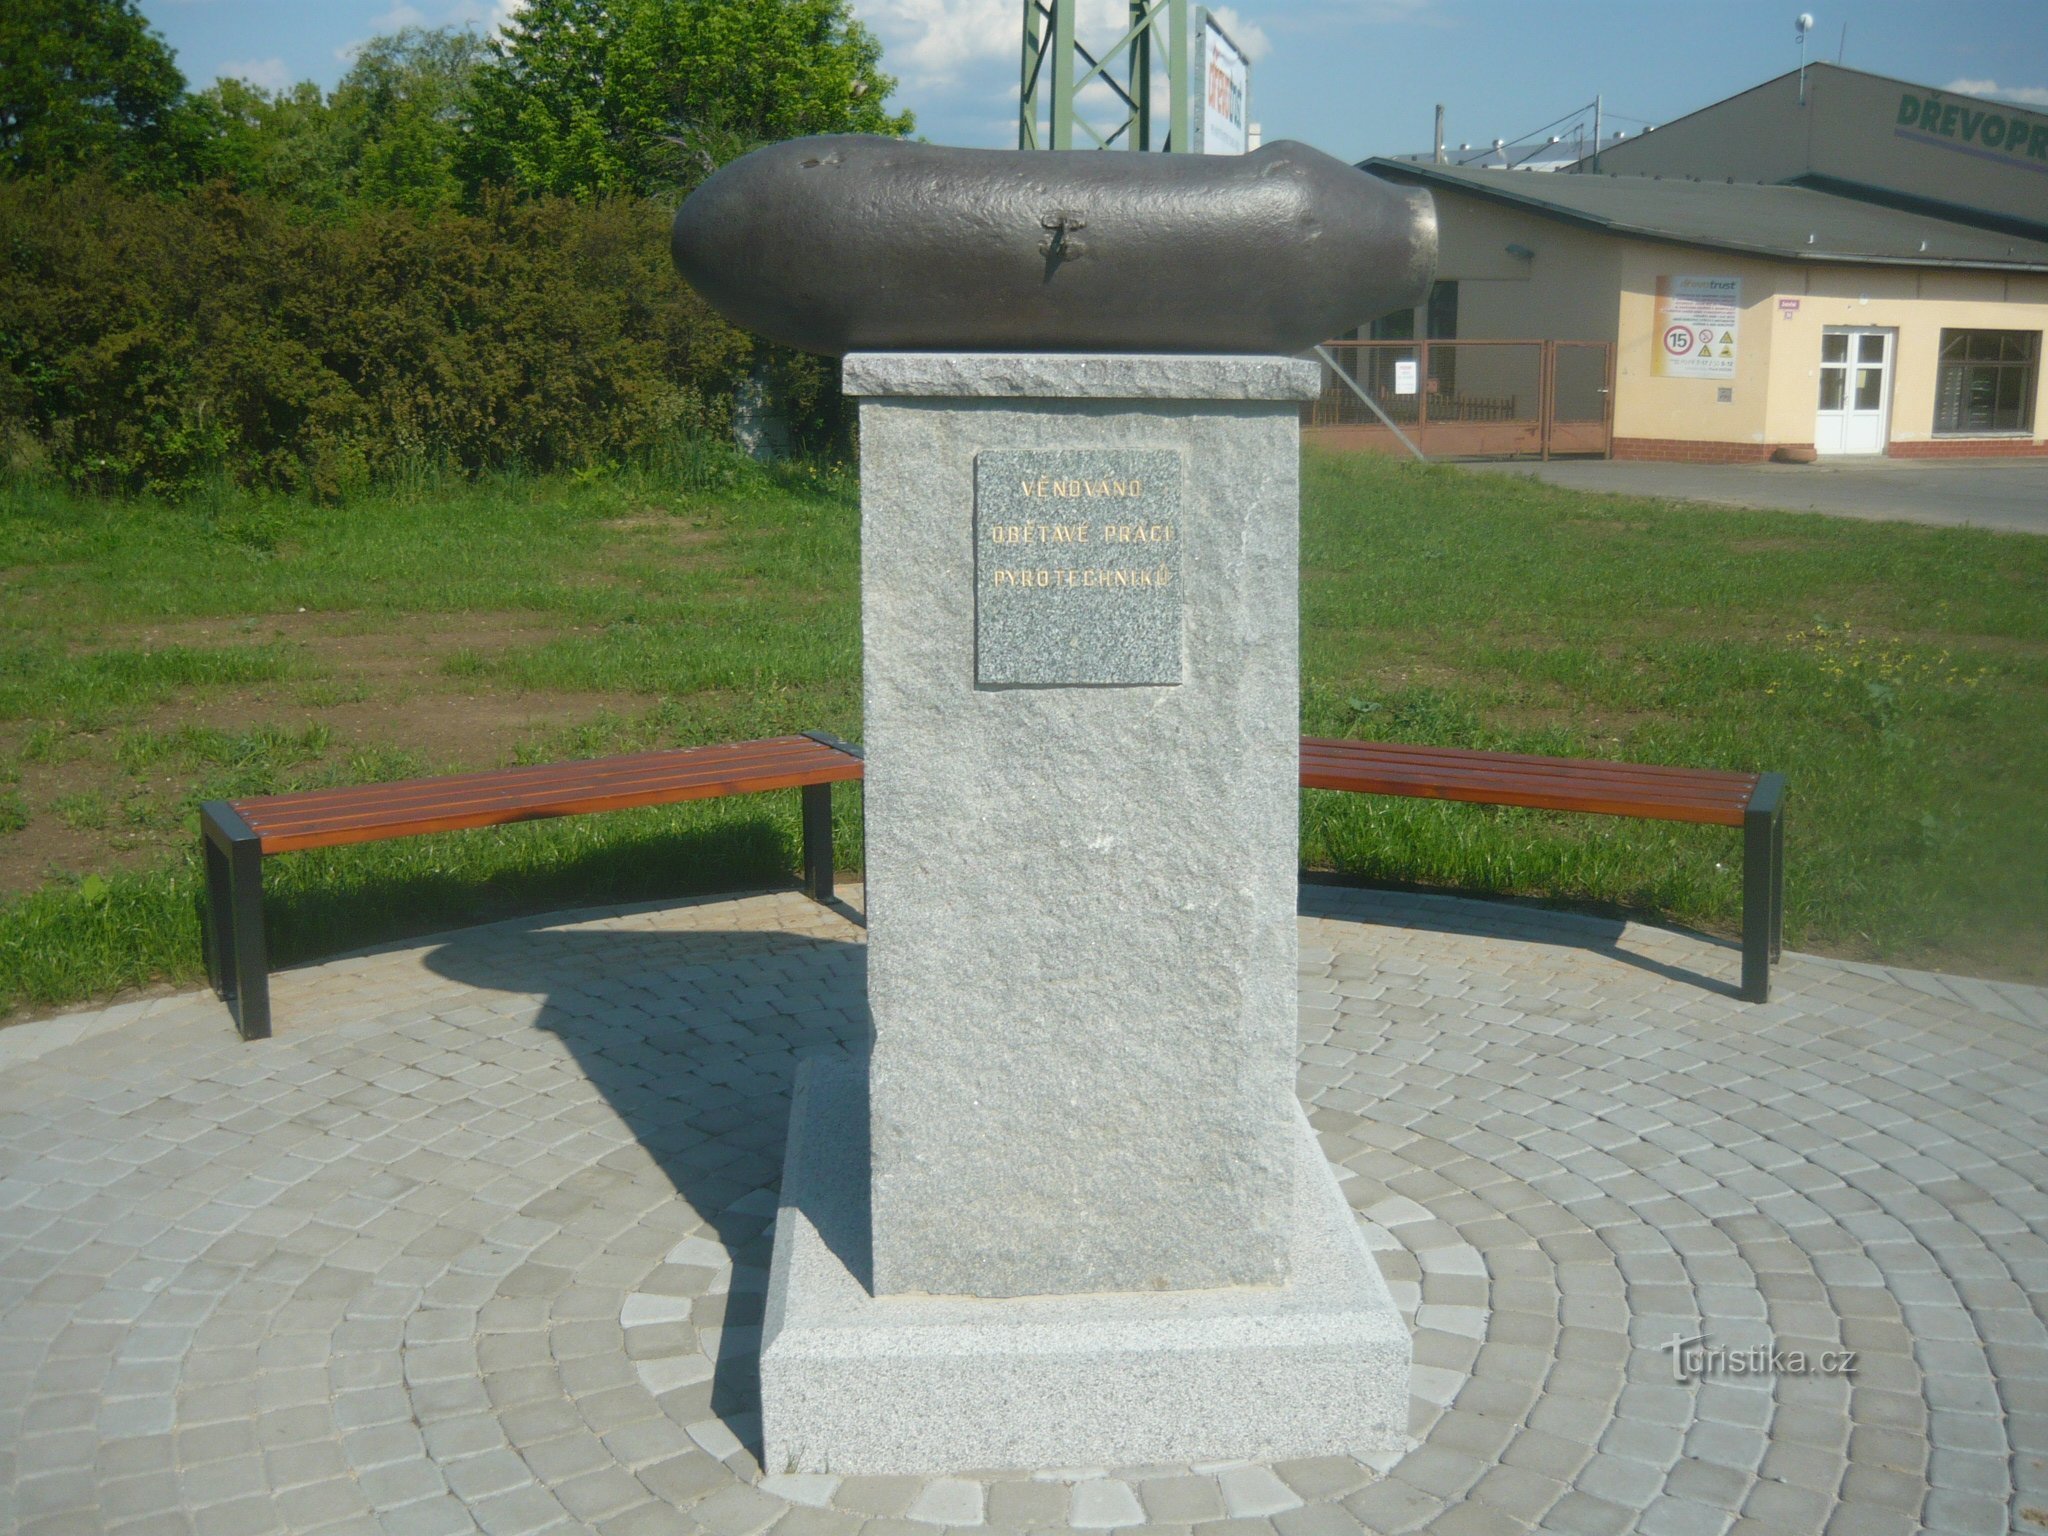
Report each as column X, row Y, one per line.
column 1986, row 129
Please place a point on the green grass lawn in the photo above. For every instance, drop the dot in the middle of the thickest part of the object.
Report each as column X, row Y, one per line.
column 152, row 657
column 1897, row 675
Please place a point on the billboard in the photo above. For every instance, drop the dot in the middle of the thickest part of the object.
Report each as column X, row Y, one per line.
column 1696, row 319
column 1223, row 84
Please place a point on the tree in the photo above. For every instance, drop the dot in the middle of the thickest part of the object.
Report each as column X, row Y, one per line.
column 285, row 144
column 88, row 82
column 387, row 135
column 595, row 97
column 405, row 101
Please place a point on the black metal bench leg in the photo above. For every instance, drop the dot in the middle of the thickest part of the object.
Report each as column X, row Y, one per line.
column 1762, row 898
column 252, row 954
column 238, row 958
column 1778, row 885
column 817, row 850
column 219, row 933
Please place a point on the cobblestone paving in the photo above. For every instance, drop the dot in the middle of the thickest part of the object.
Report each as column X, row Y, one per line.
column 479, row 1241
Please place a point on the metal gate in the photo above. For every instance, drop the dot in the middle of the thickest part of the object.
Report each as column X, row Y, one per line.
column 1466, row 399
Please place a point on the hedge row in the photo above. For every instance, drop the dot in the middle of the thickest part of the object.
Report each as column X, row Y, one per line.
column 154, row 343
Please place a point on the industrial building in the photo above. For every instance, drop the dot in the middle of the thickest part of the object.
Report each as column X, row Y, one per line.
column 1831, row 264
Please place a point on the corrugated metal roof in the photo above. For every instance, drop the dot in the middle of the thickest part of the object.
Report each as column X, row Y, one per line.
column 1782, row 222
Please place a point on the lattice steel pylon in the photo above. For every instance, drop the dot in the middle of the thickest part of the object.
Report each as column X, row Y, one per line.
column 1057, row 69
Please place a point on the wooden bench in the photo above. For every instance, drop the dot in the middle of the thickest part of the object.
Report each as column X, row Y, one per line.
column 237, row 835
column 1754, row 802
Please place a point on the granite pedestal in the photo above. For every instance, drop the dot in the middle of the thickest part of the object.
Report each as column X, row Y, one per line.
column 1079, row 613
column 1081, row 832
column 857, row 1384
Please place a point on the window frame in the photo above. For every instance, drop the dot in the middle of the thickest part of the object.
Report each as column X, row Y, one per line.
column 2028, row 367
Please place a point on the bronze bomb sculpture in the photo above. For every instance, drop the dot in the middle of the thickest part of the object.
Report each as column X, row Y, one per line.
column 848, row 242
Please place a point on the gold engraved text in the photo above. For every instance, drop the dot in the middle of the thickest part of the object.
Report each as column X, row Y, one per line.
column 1159, row 576
column 1074, row 490
column 1038, row 533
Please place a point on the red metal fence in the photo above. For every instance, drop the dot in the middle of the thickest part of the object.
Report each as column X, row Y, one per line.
column 1467, row 399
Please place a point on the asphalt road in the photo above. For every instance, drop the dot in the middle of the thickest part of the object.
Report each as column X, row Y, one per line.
column 2010, row 494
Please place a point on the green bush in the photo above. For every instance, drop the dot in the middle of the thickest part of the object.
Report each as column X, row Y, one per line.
column 160, row 343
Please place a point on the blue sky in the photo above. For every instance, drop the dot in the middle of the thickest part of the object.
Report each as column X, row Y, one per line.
column 1354, row 77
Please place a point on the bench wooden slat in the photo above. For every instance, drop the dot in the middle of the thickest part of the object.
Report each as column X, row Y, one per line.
column 1733, row 790
column 1702, row 796
column 366, row 829
column 1511, row 791
column 680, row 763
column 288, row 822
column 1418, row 781
column 1617, row 804
column 368, row 826
column 1450, row 757
column 481, row 790
column 519, row 794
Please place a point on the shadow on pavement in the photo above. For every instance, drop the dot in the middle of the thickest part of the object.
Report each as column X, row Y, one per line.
column 692, row 1037
column 1523, row 922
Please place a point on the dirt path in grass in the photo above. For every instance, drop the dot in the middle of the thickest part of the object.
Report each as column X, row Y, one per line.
column 373, row 683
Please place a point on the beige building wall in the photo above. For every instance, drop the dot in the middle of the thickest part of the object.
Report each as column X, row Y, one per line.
column 1580, row 284
column 1563, row 291
column 1776, row 391
column 1654, row 408
column 1916, row 305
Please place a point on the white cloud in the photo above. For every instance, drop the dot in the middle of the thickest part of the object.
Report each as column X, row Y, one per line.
column 1248, row 35
column 270, row 74
column 2022, row 95
column 932, row 41
column 485, row 16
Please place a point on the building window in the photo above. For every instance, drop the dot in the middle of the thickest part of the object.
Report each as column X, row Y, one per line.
column 1381, row 375
column 1440, row 317
column 1986, row 381
column 1443, row 311
column 1396, row 326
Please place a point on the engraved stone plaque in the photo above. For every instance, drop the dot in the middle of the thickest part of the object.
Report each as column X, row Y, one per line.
column 1077, row 568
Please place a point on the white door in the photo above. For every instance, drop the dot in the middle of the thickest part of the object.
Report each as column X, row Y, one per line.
column 1855, row 391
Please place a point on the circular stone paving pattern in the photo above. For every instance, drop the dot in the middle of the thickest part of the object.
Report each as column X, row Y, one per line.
column 480, row 1241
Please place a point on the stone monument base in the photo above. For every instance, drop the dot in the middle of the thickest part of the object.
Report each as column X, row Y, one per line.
column 857, row 1384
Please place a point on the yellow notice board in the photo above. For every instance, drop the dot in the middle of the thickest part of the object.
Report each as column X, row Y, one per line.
column 1696, row 327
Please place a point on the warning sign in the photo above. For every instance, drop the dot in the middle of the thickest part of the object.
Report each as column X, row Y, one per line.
column 1696, row 322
